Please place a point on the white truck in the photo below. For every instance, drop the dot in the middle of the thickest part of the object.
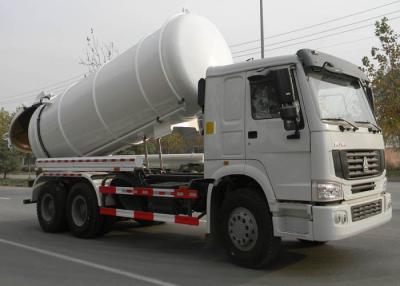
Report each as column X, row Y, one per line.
column 291, row 145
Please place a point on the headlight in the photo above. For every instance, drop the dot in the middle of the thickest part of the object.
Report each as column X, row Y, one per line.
column 327, row 192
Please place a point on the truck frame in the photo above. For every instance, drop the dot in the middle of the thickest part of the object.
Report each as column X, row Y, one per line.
column 274, row 164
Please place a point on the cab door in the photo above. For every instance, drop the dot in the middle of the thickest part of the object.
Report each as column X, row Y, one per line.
column 269, row 146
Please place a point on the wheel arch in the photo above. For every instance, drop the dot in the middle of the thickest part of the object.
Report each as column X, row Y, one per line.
column 41, row 180
column 226, row 181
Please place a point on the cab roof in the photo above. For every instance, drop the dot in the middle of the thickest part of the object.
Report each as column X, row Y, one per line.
column 251, row 65
column 311, row 60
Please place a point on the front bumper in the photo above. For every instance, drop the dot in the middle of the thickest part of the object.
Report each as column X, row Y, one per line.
column 325, row 226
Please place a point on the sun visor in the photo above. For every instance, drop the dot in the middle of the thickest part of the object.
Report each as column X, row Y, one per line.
column 316, row 61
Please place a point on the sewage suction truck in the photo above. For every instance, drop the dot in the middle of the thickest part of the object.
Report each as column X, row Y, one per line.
column 291, row 145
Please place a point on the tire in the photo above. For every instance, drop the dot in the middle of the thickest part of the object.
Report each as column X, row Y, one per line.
column 108, row 223
column 311, row 242
column 248, row 230
column 83, row 212
column 50, row 208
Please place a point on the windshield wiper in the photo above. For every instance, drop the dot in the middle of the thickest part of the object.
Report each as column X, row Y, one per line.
column 338, row 119
column 377, row 129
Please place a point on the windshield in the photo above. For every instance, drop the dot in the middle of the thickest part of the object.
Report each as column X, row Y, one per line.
column 340, row 98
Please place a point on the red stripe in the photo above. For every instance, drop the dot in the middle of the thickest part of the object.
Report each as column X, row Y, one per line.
column 108, row 211
column 149, row 192
column 107, row 190
column 62, row 174
column 143, row 192
column 149, row 216
column 86, row 160
column 143, row 215
column 186, row 220
column 185, row 193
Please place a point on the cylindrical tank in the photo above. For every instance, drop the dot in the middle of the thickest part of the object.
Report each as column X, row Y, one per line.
column 139, row 93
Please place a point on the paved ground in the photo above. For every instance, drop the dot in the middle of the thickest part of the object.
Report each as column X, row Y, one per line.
column 175, row 255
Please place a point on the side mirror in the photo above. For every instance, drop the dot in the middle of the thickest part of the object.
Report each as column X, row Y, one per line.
column 285, row 87
column 201, row 93
column 288, row 113
column 370, row 97
column 289, row 116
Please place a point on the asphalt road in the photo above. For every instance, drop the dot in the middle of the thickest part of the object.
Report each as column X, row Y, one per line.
column 176, row 255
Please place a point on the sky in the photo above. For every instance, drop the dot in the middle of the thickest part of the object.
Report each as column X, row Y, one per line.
column 41, row 42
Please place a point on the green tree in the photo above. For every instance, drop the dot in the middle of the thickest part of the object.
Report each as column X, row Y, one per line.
column 5, row 119
column 383, row 68
column 173, row 143
column 10, row 160
column 138, row 149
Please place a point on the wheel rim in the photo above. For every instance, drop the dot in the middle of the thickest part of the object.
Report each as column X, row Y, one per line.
column 48, row 209
column 79, row 210
column 242, row 228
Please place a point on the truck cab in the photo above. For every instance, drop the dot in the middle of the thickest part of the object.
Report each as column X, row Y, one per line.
column 299, row 131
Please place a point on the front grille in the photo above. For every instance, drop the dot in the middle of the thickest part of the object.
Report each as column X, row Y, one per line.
column 365, row 187
column 361, row 164
column 366, row 210
column 355, row 164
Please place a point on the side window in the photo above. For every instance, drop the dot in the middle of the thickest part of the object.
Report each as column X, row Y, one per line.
column 264, row 99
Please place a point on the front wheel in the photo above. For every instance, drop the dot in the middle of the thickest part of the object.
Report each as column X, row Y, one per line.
column 248, row 230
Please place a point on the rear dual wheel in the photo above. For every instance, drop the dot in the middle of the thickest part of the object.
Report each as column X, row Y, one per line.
column 79, row 211
column 83, row 213
column 50, row 207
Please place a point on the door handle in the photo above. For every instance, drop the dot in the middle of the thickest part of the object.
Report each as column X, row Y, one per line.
column 252, row 134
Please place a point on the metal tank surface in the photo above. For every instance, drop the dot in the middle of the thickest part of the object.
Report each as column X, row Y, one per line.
column 142, row 92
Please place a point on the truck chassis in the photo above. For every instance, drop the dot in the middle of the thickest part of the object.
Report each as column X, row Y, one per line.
column 150, row 191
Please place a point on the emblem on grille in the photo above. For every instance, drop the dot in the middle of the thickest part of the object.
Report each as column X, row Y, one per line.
column 365, row 164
